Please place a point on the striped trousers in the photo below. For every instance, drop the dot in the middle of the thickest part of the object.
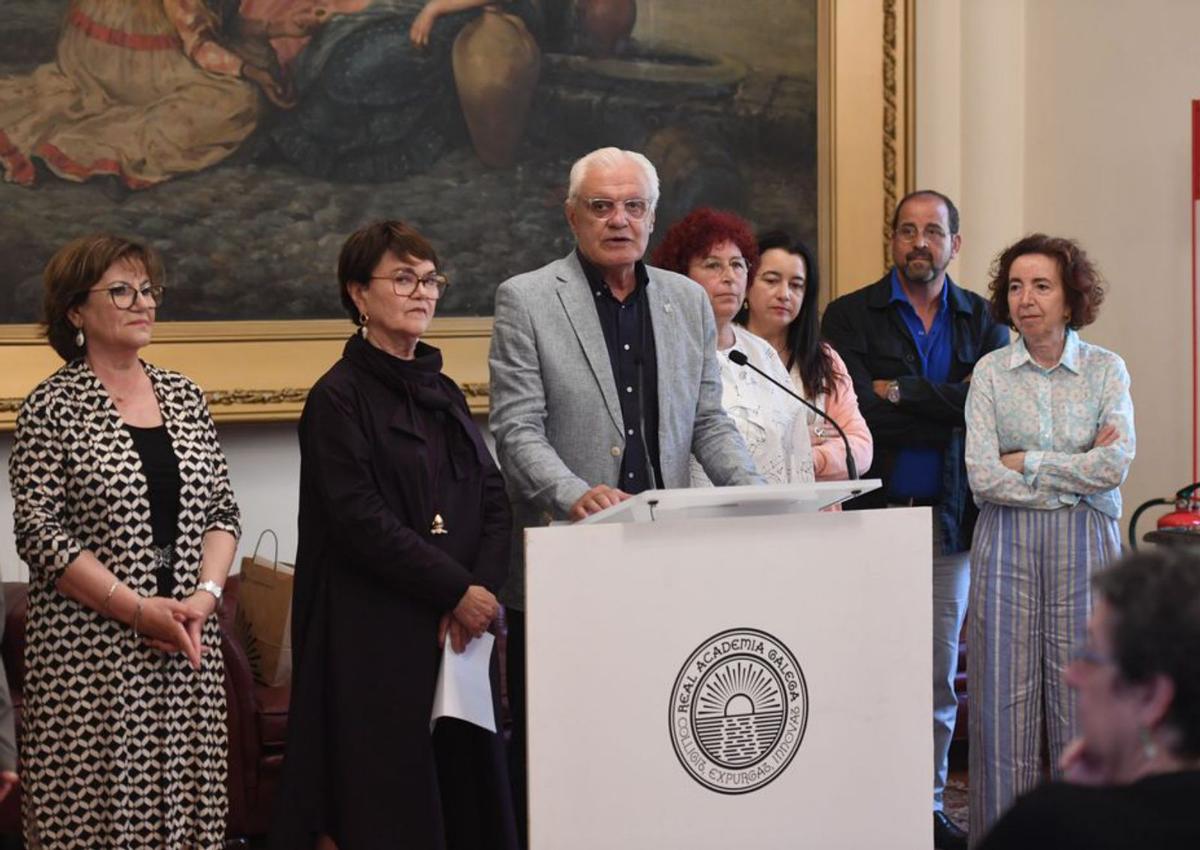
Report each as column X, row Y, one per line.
column 1030, row 600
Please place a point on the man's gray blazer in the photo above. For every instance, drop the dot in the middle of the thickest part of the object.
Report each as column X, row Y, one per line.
column 555, row 413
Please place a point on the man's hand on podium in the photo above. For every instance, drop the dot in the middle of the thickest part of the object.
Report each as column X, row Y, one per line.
column 595, row 500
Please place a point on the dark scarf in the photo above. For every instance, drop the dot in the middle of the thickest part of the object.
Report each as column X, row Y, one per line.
column 419, row 383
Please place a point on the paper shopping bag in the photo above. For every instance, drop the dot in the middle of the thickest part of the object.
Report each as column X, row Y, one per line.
column 264, row 615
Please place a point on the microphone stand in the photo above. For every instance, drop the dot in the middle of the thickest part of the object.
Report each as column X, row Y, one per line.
column 643, row 317
column 742, row 360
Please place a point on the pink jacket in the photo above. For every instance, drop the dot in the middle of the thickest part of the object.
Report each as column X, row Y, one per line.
column 829, row 455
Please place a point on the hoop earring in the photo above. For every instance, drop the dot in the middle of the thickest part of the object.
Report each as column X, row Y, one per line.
column 79, row 338
column 363, row 318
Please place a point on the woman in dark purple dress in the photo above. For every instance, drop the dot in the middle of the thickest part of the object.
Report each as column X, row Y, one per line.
column 404, row 536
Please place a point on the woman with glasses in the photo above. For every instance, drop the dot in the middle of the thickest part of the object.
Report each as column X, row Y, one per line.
column 1132, row 777
column 404, row 540
column 717, row 250
column 124, row 514
column 781, row 308
column 1050, row 438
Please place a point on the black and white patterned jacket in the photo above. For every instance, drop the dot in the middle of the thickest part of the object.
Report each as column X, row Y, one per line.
column 144, row 762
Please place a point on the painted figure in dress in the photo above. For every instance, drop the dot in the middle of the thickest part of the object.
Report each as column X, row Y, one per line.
column 139, row 91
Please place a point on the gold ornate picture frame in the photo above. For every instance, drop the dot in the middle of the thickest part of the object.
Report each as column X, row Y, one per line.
column 261, row 370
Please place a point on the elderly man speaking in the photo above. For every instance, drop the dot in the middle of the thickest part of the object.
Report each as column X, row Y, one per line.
column 604, row 380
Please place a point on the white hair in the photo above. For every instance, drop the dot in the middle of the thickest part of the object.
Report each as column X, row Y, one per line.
column 611, row 158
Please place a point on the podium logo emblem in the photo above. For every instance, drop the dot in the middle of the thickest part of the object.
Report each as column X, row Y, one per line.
column 738, row 711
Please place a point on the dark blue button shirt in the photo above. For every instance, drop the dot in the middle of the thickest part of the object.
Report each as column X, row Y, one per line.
column 629, row 335
column 917, row 473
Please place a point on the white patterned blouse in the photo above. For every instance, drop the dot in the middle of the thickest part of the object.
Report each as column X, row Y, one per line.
column 770, row 421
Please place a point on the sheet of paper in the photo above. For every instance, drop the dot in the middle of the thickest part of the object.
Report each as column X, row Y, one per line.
column 464, row 689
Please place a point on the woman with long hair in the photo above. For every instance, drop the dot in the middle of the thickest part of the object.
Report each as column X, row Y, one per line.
column 781, row 307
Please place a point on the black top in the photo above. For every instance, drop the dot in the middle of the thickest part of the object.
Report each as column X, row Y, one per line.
column 1155, row 813
column 629, row 335
column 161, row 468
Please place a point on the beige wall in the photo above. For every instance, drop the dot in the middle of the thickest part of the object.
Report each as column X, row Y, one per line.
column 1073, row 117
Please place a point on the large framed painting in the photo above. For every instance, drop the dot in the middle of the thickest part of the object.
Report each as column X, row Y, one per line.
column 246, row 138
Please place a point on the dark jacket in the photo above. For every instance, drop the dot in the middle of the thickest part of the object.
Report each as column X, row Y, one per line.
column 386, row 444
column 869, row 333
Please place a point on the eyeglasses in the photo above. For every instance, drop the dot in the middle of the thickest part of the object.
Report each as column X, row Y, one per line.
column 602, row 209
column 406, row 283
column 124, row 295
column 736, row 265
column 908, row 233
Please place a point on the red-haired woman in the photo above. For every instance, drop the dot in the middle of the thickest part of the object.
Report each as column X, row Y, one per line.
column 717, row 250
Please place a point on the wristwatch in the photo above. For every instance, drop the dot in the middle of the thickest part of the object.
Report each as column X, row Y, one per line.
column 893, row 392
column 210, row 587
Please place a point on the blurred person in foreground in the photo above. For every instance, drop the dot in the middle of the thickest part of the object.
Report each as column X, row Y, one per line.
column 1131, row 780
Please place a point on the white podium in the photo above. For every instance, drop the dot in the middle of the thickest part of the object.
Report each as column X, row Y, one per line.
column 728, row 667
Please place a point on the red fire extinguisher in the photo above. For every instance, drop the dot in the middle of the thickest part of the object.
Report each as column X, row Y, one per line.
column 1185, row 519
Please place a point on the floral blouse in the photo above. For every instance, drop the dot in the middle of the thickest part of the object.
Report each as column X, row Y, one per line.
column 1053, row 415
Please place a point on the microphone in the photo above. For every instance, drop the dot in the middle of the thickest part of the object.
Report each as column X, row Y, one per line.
column 742, row 360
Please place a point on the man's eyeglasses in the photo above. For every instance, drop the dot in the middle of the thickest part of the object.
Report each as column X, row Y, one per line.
column 407, row 283
column 908, row 233
column 124, row 295
column 603, row 209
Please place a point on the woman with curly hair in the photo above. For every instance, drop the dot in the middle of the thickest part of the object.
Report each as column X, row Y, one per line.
column 1050, row 438
column 717, row 250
